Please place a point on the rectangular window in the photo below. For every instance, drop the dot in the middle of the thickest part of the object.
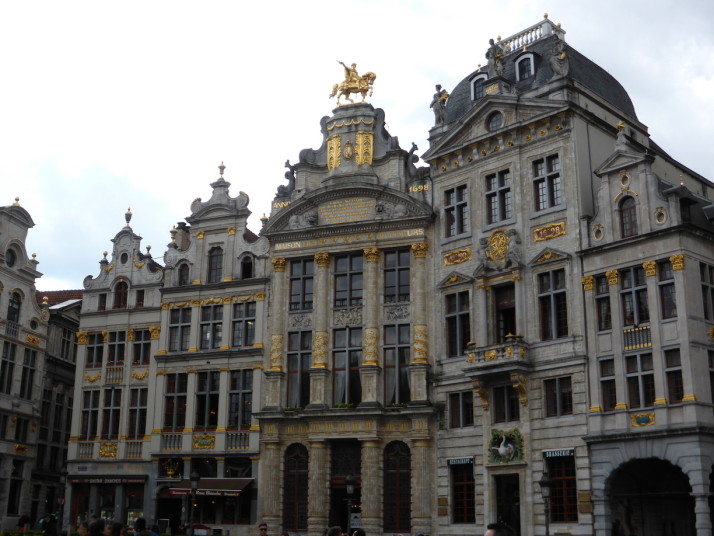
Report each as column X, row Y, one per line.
column 397, row 343
column 116, row 347
column 301, row 284
column 90, row 414
column 633, row 294
column 499, row 206
column 28, row 374
column 175, row 402
column 299, row 361
column 640, row 380
column 240, row 399
column 141, row 347
column 461, row 409
column 608, row 392
column 215, row 264
column 21, row 428
column 396, row 276
column 244, row 324
column 179, row 329
column 707, row 277
column 95, row 350
column 207, row 390
column 463, row 493
column 553, row 305
column 7, row 367
column 348, row 280
column 563, row 493
column 211, row 326
column 46, row 414
column 456, row 214
column 546, row 182
column 102, row 302
column 602, row 303
column 137, row 413
column 673, row 372
column 505, row 404
column 504, row 298
column 667, row 295
column 111, row 413
column 139, row 299
column 558, row 397
column 347, row 356
column 4, row 418
column 14, row 495
column 68, row 346
column 458, row 323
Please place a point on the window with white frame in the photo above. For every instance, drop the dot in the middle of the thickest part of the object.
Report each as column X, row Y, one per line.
column 633, row 294
column 639, row 373
column 211, row 326
column 244, row 324
column 179, row 329
column 478, row 87
column 546, row 182
column 111, row 412
column 525, row 67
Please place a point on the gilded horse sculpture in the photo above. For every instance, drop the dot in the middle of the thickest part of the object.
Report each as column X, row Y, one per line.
column 353, row 83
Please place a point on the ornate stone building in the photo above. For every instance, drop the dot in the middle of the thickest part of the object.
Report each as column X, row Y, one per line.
column 417, row 349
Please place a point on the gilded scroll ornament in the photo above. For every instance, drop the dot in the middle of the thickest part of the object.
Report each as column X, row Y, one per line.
column 520, row 383
column 33, row 340
column 279, row 264
column 105, row 336
column 613, row 277
column 231, row 231
column 371, row 254
column 490, row 355
column 276, row 352
column 319, row 350
column 421, row 344
column 482, row 390
column 677, row 262
column 334, row 155
column 260, row 296
column 364, row 147
column 138, row 376
column 200, row 235
column 322, row 259
column 650, row 268
column 130, row 335
column 353, row 83
column 420, row 249
column 371, row 346
column 588, row 282
column 204, row 442
column 108, row 450
column 642, row 419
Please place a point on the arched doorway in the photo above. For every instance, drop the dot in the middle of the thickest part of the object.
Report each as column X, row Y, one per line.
column 650, row 497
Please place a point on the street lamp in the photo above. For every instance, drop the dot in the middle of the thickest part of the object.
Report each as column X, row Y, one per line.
column 545, row 484
column 195, row 477
column 350, row 488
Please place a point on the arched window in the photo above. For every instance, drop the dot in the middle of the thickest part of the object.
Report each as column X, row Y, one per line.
column 121, row 291
column 628, row 217
column 13, row 307
column 397, row 488
column 477, row 87
column 215, row 265
column 183, row 275
column 525, row 68
column 246, row 267
column 294, row 489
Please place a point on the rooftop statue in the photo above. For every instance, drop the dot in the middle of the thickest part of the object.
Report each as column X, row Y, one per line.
column 354, row 83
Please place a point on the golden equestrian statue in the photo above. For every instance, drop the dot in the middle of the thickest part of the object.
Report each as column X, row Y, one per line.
column 354, row 83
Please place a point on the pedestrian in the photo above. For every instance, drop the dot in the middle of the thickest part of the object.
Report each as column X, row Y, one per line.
column 49, row 527
column 83, row 529
column 23, row 521
column 96, row 527
column 263, row 529
column 499, row 529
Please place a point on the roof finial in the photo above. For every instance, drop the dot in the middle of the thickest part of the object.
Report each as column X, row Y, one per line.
column 620, row 126
column 545, row 16
column 17, row 202
column 221, row 168
column 127, row 217
column 681, row 180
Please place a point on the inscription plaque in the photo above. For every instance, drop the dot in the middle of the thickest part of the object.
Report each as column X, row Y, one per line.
column 346, row 210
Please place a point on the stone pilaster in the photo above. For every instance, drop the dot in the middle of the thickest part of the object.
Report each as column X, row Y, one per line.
column 371, row 485
column 422, row 490
column 420, row 336
column 320, row 337
column 270, row 487
column 318, row 490
column 369, row 375
column 276, row 339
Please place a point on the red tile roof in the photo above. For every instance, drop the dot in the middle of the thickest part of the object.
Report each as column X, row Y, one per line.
column 58, row 296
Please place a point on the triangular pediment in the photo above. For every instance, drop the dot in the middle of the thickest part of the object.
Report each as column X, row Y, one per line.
column 620, row 160
column 455, row 278
column 549, row 255
column 335, row 209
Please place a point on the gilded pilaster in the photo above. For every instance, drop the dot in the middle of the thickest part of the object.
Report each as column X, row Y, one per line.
column 320, row 337
column 370, row 334
column 420, row 338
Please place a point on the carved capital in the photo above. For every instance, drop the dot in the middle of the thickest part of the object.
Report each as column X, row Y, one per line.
column 371, row 254
column 419, row 250
column 82, row 337
column 588, row 282
column 613, row 277
column 677, row 262
column 279, row 264
column 650, row 268
column 154, row 331
column 322, row 259
column 520, row 384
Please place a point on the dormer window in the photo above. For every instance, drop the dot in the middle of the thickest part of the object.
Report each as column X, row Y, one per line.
column 183, row 275
column 121, row 291
column 13, row 307
column 628, row 217
column 525, row 66
column 494, row 121
column 246, row 268
column 215, row 265
column 477, row 87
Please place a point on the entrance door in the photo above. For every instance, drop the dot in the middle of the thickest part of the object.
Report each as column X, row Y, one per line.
column 508, row 501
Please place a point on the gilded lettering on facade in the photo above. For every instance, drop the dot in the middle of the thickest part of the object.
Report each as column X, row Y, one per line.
column 547, row 232
column 457, row 257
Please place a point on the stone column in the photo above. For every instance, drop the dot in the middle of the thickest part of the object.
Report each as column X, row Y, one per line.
column 419, row 366
column 480, row 299
column 369, row 372
column 422, row 491
column 274, row 369
column 320, row 338
column 318, row 489
column 271, row 486
column 702, row 515
column 371, row 486
column 260, row 330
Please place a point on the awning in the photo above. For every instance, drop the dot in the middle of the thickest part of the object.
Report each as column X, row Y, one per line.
column 220, row 487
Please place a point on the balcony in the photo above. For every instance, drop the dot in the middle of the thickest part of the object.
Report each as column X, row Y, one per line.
column 637, row 337
column 510, row 356
column 12, row 329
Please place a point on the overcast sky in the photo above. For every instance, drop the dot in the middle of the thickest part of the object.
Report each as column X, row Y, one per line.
column 109, row 105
